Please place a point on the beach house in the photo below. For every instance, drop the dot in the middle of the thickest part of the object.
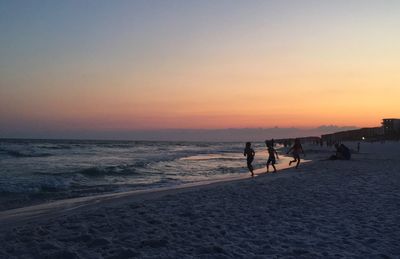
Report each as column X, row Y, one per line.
column 391, row 128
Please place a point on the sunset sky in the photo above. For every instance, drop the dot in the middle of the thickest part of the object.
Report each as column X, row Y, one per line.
column 129, row 65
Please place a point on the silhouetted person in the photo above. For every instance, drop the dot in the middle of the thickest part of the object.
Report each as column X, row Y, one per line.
column 249, row 154
column 271, row 158
column 358, row 147
column 342, row 153
column 296, row 149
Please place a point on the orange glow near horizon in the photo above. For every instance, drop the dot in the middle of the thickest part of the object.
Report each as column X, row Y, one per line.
column 226, row 98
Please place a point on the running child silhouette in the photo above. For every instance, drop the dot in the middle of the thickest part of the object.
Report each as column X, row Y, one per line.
column 271, row 158
column 296, row 149
column 249, row 154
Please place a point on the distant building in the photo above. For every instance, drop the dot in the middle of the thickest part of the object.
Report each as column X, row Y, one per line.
column 391, row 128
column 370, row 134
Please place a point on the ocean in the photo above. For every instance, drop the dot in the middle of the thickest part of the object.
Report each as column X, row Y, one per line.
column 33, row 171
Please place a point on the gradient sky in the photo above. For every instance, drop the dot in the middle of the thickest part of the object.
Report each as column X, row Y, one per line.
column 120, row 65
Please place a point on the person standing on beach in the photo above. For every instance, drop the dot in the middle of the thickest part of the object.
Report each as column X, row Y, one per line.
column 271, row 158
column 249, row 154
column 296, row 149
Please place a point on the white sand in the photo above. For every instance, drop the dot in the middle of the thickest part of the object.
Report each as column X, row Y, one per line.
column 324, row 209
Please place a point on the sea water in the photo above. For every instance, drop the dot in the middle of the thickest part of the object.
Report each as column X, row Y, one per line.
column 37, row 170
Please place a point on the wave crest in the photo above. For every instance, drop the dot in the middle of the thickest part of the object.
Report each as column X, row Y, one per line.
column 18, row 154
column 111, row 170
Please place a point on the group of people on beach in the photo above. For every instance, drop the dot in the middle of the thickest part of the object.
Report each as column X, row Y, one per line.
column 249, row 153
column 342, row 153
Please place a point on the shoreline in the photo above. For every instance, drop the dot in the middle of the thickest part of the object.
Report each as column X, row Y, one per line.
column 31, row 176
column 55, row 208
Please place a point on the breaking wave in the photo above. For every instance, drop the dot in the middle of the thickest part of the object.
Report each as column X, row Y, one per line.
column 19, row 154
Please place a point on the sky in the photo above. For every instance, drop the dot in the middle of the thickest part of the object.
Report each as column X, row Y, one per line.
column 87, row 66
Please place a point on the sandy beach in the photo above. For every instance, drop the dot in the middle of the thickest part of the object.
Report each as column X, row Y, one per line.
column 324, row 209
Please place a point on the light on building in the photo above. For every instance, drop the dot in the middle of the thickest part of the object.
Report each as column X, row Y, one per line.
column 363, row 138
